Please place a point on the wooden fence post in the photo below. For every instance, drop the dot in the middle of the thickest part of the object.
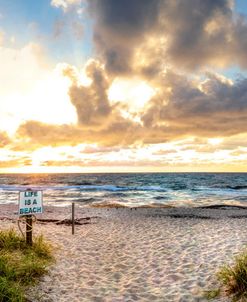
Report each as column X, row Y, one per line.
column 73, row 218
column 29, row 235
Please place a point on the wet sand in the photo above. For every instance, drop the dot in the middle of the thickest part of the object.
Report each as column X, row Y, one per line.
column 136, row 255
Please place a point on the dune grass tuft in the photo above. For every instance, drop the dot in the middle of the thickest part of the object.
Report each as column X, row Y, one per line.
column 234, row 278
column 21, row 265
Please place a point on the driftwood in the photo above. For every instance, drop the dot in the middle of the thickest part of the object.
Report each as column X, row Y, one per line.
column 222, row 206
column 78, row 221
column 6, row 218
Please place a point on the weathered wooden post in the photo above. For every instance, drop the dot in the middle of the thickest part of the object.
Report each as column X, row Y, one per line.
column 73, row 218
column 29, row 230
column 29, row 227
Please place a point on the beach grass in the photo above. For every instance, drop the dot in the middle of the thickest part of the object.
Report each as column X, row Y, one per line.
column 233, row 280
column 21, row 265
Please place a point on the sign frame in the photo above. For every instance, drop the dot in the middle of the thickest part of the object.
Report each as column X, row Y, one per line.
column 32, row 204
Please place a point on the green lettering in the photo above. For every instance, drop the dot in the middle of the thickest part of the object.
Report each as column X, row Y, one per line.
column 27, row 202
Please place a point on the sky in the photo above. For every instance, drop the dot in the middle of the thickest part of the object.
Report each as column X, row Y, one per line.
column 123, row 86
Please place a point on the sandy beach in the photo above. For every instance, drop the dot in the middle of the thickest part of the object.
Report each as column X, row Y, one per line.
column 136, row 254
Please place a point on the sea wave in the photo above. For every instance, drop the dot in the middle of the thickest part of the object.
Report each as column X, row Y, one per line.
column 239, row 187
column 108, row 188
column 126, row 205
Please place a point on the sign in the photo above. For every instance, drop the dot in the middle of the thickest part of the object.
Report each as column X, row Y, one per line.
column 30, row 202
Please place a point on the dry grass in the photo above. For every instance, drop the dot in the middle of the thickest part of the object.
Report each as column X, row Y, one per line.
column 234, row 278
column 21, row 265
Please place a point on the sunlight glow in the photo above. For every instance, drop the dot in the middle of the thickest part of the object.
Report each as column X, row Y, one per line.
column 47, row 102
column 133, row 92
column 215, row 141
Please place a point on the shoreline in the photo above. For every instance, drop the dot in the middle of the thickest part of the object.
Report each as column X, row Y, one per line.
column 142, row 254
column 10, row 211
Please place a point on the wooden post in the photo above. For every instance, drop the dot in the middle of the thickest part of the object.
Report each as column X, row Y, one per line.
column 73, row 218
column 29, row 235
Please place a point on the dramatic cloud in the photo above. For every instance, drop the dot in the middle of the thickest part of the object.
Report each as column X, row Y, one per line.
column 213, row 108
column 182, row 107
column 120, row 27
column 91, row 102
column 147, row 35
column 198, row 32
column 167, row 48
column 37, row 134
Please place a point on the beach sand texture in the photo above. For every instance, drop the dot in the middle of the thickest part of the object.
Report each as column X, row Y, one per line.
column 138, row 255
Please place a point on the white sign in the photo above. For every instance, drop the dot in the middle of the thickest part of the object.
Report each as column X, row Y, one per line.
column 30, row 202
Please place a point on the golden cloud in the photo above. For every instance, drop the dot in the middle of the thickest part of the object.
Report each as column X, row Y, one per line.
column 184, row 110
column 16, row 162
column 4, row 139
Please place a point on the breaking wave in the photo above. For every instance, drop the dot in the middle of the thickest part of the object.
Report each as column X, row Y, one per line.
column 109, row 188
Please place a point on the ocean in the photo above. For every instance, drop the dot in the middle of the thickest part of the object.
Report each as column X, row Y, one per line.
column 130, row 189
